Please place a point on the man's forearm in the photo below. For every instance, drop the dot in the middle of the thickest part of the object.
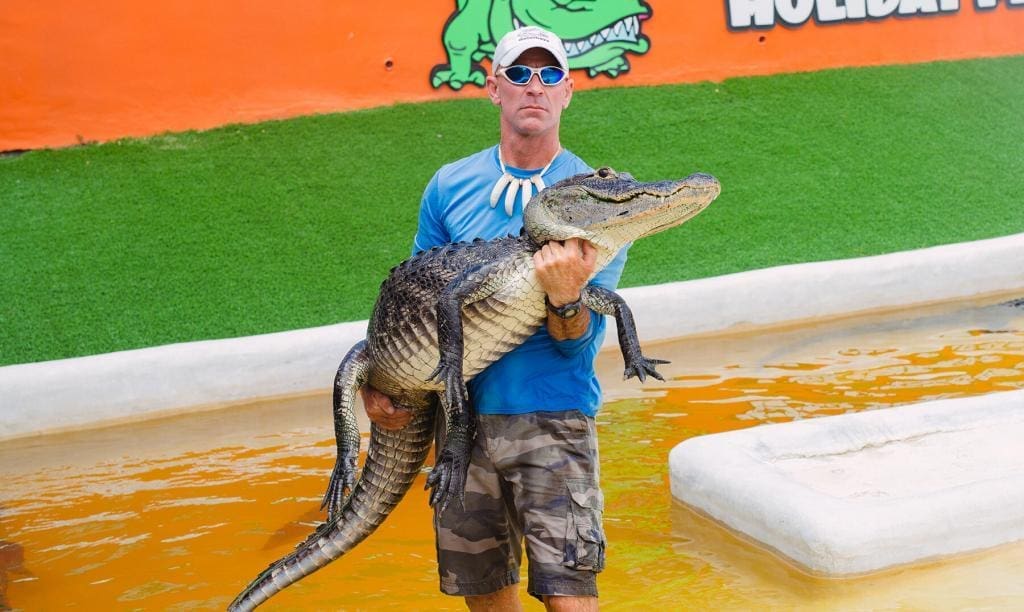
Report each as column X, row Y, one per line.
column 563, row 269
column 568, row 329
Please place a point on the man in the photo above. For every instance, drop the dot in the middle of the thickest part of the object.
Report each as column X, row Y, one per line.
column 534, row 468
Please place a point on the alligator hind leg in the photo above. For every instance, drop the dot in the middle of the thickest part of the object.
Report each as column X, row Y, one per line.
column 447, row 478
column 352, row 374
column 607, row 302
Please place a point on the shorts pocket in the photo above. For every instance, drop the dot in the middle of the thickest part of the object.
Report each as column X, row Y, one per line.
column 584, row 537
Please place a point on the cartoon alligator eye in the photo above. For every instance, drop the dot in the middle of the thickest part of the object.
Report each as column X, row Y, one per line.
column 606, row 172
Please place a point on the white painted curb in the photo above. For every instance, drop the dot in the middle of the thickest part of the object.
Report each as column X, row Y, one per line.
column 861, row 492
column 74, row 393
column 151, row 382
column 813, row 290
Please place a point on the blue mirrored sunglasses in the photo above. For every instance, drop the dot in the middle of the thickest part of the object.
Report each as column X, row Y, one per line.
column 521, row 75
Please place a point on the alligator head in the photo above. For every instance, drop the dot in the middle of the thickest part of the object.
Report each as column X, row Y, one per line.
column 610, row 210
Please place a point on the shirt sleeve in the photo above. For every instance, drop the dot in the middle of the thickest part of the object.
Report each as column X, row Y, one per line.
column 607, row 278
column 431, row 231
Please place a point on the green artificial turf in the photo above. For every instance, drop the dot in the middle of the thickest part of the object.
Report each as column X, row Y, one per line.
column 290, row 224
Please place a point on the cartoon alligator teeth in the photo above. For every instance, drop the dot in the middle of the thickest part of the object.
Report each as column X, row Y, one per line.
column 597, row 34
column 626, row 29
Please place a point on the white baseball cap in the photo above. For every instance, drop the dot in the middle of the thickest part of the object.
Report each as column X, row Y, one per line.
column 513, row 44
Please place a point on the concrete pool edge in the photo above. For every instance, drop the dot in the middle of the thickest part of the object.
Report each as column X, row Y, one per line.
column 132, row 385
column 755, row 481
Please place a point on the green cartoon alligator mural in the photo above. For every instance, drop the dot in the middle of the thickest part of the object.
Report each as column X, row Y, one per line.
column 597, row 34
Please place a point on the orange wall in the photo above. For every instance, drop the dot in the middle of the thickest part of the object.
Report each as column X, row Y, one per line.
column 74, row 71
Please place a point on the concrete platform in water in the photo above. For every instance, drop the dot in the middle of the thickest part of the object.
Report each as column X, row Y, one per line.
column 856, row 493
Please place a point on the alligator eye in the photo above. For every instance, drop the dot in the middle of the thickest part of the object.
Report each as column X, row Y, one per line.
column 605, row 172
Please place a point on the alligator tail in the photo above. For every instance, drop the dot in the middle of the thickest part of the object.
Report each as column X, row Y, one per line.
column 393, row 461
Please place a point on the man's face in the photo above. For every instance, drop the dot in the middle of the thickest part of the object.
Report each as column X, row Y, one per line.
column 533, row 108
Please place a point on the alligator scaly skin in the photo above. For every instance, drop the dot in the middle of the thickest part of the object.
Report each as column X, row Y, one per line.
column 403, row 335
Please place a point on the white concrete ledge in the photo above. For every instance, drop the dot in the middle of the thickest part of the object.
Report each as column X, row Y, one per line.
column 825, row 289
column 127, row 385
column 861, row 492
column 145, row 383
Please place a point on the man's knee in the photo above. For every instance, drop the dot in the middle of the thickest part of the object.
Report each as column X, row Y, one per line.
column 505, row 599
column 569, row 603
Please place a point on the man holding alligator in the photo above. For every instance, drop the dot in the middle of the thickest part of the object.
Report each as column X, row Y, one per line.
column 534, row 467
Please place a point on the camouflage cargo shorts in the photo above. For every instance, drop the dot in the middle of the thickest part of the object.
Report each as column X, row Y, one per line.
column 534, row 478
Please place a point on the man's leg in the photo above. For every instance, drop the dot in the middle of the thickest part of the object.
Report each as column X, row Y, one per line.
column 507, row 599
column 561, row 603
column 550, row 460
column 478, row 547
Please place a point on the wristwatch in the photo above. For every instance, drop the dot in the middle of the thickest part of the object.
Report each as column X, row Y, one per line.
column 566, row 311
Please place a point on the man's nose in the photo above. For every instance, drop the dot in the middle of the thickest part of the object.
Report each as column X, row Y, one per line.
column 534, row 85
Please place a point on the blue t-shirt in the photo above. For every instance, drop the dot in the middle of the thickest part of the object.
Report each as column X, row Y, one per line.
column 542, row 373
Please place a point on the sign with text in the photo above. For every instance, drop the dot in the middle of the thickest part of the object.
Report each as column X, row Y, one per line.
column 767, row 13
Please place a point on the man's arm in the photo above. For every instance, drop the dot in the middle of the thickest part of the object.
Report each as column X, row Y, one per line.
column 563, row 270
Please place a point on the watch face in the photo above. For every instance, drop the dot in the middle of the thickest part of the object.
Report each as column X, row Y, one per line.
column 566, row 311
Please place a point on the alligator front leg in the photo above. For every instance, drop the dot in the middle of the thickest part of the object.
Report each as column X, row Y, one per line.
column 352, row 374
column 448, row 476
column 608, row 302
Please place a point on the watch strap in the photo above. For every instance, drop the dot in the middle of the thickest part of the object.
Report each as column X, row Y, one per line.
column 566, row 311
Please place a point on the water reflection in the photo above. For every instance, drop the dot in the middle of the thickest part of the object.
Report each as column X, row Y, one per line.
column 990, row 579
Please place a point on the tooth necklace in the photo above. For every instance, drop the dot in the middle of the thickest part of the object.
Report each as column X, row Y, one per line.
column 514, row 184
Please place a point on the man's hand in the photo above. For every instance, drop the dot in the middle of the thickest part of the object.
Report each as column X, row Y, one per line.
column 564, row 268
column 382, row 412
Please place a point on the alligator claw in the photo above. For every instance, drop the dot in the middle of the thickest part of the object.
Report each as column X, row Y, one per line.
column 454, row 386
column 436, row 375
column 448, row 479
column 343, row 479
column 444, row 373
column 643, row 366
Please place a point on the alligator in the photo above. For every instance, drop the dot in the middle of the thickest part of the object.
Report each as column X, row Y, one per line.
column 444, row 315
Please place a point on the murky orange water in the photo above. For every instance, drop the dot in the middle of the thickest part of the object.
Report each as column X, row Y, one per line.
column 181, row 513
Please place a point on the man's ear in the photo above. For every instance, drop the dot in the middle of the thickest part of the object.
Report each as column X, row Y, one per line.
column 492, row 90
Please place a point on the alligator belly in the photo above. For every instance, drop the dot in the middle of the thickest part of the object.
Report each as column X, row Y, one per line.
column 405, row 358
column 494, row 326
